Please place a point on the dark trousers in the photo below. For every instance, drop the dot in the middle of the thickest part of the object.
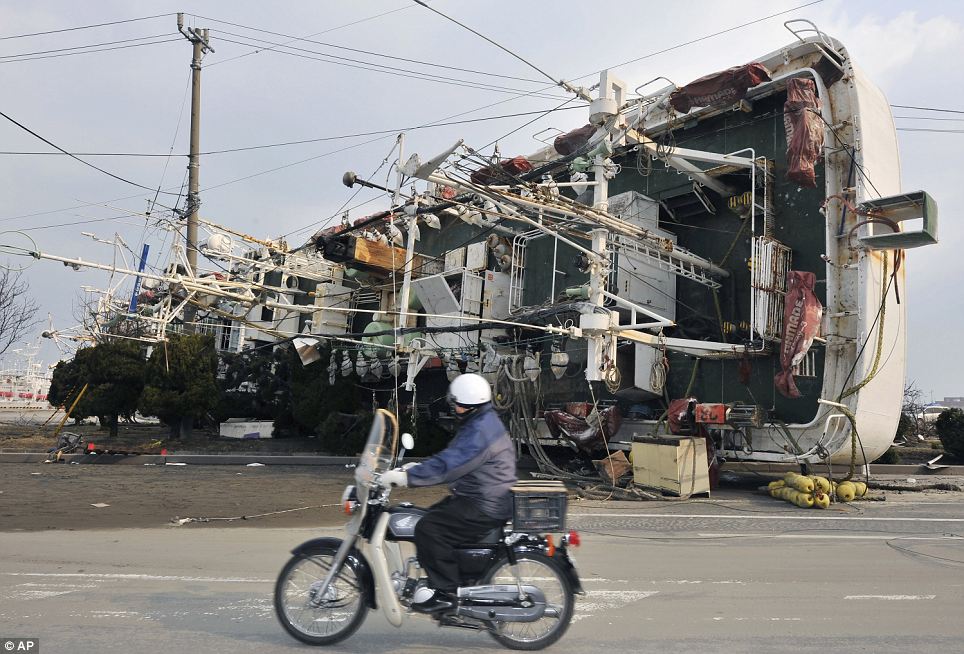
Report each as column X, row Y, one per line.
column 451, row 522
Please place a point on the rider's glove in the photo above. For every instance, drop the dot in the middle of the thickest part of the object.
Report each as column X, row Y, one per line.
column 396, row 477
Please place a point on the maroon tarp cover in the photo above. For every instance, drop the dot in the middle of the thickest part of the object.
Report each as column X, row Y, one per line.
column 584, row 436
column 502, row 173
column 804, row 128
column 678, row 415
column 571, row 141
column 722, row 88
column 802, row 312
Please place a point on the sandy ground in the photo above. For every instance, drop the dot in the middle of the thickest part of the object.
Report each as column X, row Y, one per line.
column 61, row 496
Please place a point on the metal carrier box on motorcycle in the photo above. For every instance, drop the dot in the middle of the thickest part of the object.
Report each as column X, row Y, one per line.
column 539, row 505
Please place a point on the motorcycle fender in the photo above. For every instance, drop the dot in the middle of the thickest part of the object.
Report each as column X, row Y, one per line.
column 562, row 558
column 355, row 559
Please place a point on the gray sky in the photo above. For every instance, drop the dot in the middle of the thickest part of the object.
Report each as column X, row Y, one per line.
column 133, row 100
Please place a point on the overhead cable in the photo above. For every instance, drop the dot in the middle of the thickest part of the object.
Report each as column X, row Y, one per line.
column 946, row 111
column 83, row 47
column 83, row 52
column 358, row 50
column 84, row 27
column 299, row 142
column 380, row 68
column 73, row 156
column 562, row 83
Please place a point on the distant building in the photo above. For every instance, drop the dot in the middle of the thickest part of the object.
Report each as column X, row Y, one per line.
column 953, row 402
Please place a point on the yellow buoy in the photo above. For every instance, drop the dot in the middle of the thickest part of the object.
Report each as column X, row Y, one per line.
column 821, row 501
column 779, row 483
column 821, row 484
column 846, row 491
column 861, row 488
column 801, row 483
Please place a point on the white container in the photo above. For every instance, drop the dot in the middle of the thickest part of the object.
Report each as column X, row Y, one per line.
column 246, row 429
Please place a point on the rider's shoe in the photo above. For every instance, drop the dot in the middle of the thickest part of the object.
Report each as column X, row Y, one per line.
column 439, row 601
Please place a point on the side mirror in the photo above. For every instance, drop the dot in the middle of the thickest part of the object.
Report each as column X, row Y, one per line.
column 408, row 442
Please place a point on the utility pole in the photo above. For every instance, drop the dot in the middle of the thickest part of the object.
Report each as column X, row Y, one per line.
column 199, row 39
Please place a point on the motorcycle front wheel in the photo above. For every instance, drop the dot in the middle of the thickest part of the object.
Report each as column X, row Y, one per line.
column 541, row 571
column 312, row 617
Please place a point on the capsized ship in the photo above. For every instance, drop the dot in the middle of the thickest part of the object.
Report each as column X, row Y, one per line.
column 721, row 258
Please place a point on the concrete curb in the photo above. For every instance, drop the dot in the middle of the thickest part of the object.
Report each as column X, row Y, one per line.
column 316, row 460
column 191, row 459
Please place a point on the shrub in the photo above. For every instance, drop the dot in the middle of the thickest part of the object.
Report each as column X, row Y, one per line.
column 890, row 457
column 950, row 429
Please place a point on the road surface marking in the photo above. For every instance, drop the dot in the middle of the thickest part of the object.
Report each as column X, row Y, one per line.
column 707, row 516
column 829, row 536
column 597, row 601
column 890, row 597
column 136, row 577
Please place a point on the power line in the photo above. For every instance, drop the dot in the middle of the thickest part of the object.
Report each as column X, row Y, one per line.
column 702, row 38
column 290, row 143
column 83, row 27
column 953, row 120
column 531, row 65
column 946, row 111
column 330, row 29
column 379, row 68
column 83, row 52
column 73, row 156
column 83, row 47
column 358, row 50
column 924, row 129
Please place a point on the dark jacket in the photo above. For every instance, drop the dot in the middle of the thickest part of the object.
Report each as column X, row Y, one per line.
column 479, row 464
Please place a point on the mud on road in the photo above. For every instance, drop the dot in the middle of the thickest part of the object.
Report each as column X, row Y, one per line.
column 35, row 497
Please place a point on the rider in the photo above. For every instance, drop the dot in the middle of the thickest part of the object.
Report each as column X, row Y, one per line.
column 479, row 467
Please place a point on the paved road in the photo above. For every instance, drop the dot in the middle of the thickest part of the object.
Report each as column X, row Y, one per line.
column 728, row 575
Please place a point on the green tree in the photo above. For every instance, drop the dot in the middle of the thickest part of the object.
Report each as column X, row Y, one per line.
column 181, row 385
column 114, row 374
column 950, row 429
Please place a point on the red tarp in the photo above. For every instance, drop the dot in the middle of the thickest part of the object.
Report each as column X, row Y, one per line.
column 804, row 128
column 570, row 142
column 723, row 88
column 802, row 312
column 503, row 173
column 588, row 438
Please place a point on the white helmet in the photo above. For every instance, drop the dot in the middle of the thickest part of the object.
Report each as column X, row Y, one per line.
column 470, row 390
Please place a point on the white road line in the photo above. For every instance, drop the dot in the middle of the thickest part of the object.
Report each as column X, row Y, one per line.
column 707, row 516
column 136, row 577
column 890, row 597
column 816, row 536
column 596, row 601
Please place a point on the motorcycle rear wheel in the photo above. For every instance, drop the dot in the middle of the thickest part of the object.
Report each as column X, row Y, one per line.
column 314, row 620
column 541, row 571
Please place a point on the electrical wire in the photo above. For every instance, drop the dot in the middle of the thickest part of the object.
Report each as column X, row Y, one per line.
column 358, row 50
column 84, row 47
column 946, row 111
column 70, row 54
column 298, row 142
column 85, row 27
column 381, row 68
column 73, row 156
column 330, row 29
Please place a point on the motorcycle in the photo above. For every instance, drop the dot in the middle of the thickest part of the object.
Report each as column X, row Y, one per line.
column 518, row 587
